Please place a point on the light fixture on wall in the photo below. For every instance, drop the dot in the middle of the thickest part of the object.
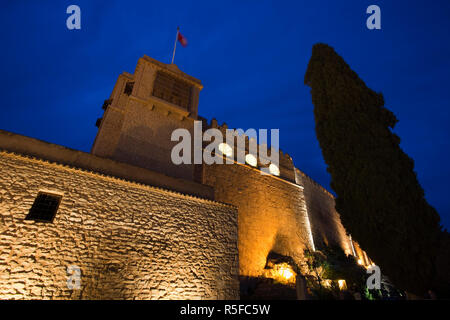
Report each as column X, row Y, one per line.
column 281, row 272
column 285, row 272
column 226, row 149
column 251, row 160
column 273, row 168
column 342, row 284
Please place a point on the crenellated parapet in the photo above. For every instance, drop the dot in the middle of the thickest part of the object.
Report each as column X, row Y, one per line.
column 301, row 176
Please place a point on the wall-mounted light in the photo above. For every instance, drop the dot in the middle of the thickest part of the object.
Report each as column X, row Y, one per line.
column 273, row 168
column 342, row 284
column 285, row 272
column 226, row 149
column 251, row 160
column 281, row 272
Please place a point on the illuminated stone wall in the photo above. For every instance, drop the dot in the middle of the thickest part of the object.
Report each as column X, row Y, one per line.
column 325, row 222
column 272, row 214
column 361, row 255
column 130, row 240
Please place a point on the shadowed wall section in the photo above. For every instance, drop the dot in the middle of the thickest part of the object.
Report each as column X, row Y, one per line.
column 326, row 225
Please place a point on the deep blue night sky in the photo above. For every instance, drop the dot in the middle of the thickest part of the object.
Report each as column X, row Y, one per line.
column 251, row 57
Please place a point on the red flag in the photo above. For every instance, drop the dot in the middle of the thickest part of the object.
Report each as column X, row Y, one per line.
column 182, row 39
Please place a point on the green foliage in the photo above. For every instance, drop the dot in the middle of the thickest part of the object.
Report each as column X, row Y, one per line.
column 368, row 294
column 317, row 263
column 341, row 266
column 332, row 263
column 378, row 195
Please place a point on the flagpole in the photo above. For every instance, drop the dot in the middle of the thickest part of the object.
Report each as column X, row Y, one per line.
column 175, row 45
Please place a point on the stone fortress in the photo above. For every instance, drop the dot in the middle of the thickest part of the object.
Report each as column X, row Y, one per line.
column 138, row 226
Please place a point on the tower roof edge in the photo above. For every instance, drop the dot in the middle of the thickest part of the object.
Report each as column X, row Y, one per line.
column 173, row 69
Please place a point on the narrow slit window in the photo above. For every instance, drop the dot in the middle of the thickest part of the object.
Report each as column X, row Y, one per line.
column 128, row 88
column 44, row 207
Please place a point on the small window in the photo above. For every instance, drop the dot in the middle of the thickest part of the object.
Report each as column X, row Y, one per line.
column 44, row 207
column 128, row 88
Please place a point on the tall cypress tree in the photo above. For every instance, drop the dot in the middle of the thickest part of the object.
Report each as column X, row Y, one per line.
column 378, row 195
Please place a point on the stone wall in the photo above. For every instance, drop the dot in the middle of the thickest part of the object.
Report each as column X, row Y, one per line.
column 272, row 214
column 325, row 222
column 136, row 127
column 131, row 241
column 145, row 139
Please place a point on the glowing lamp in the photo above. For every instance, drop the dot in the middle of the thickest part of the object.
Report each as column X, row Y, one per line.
column 251, row 160
column 273, row 168
column 360, row 262
column 285, row 273
column 327, row 283
column 226, row 149
column 342, row 284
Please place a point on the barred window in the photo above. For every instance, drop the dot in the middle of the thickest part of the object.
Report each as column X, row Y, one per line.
column 44, row 207
column 172, row 90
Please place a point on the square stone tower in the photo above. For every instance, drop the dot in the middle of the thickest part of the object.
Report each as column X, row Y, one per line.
column 141, row 114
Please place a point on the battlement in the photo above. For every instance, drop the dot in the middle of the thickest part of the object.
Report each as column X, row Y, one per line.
column 304, row 176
